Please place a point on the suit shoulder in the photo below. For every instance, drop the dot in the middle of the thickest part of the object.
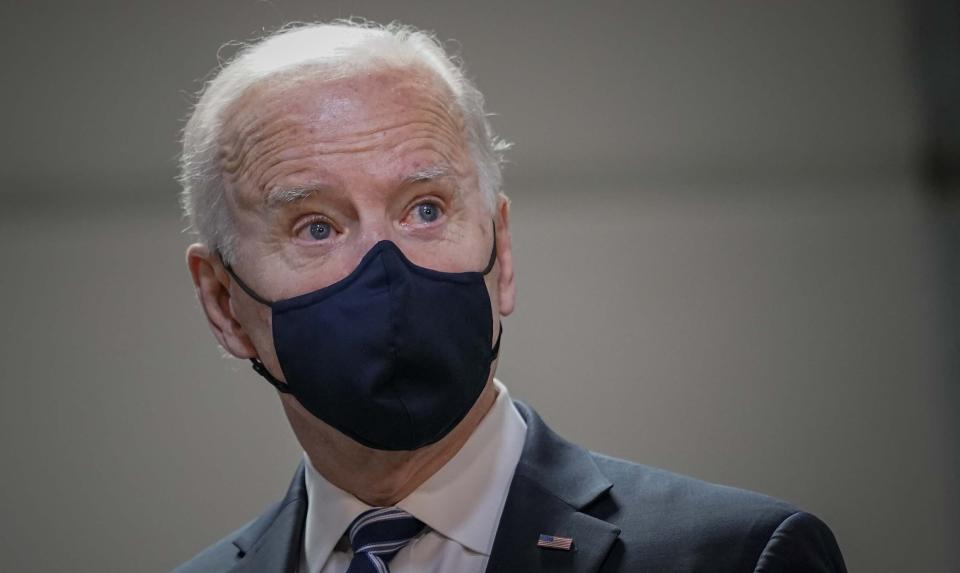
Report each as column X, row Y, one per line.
column 802, row 543
column 672, row 518
column 220, row 556
column 224, row 554
column 661, row 490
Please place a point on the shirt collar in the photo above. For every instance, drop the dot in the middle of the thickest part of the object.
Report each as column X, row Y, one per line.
column 462, row 501
column 330, row 510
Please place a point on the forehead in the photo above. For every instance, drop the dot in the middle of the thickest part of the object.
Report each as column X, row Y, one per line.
column 319, row 99
column 284, row 126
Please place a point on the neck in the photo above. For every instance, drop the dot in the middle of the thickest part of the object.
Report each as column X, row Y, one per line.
column 378, row 477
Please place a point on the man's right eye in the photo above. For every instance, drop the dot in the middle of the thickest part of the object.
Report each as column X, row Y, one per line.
column 316, row 230
column 319, row 231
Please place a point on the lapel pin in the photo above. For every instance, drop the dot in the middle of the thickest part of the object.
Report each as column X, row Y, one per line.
column 554, row 542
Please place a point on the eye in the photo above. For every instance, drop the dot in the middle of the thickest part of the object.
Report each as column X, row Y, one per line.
column 315, row 230
column 319, row 230
column 428, row 211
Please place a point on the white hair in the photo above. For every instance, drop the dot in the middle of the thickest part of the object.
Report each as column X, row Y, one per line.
column 330, row 51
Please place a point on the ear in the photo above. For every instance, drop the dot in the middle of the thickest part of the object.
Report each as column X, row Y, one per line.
column 212, row 283
column 507, row 287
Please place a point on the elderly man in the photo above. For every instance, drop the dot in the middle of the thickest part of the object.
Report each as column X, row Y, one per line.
column 355, row 247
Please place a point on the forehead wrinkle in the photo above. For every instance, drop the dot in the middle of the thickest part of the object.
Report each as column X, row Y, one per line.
column 265, row 129
column 253, row 193
column 242, row 122
column 235, row 155
column 274, row 155
column 261, row 146
column 381, row 126
column 260, row 127
column 423, row 85
column 274, row 165
column 270, row 149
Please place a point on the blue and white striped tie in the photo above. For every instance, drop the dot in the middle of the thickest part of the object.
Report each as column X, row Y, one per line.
column 377, row 535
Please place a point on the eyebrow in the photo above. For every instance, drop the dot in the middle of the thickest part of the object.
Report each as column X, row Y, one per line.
column 434, row 173
column 431, row 173
column 287, row 195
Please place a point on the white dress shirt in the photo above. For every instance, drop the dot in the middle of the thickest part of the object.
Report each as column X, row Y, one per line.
column 460, row 504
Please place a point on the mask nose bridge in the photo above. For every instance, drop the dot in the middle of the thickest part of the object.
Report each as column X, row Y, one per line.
column 374, row 237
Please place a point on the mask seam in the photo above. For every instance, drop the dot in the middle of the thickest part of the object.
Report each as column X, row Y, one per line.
column 394, row 350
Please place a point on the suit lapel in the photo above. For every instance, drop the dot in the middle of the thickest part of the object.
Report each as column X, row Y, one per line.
column 275, row 544
column 553, row 483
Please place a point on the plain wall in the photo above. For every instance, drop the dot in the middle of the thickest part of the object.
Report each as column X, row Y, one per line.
column 726, row 267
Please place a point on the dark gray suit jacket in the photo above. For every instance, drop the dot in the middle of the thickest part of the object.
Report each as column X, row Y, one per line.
column 622, row 517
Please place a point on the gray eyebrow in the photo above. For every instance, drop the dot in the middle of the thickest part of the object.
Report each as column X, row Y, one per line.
column 429, row 174
column 287, row 195
column 433, row 173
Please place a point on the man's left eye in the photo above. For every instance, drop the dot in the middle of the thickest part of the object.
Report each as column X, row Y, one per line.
column 428, row 211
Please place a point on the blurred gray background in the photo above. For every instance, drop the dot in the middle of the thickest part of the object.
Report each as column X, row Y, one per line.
column 735, row 229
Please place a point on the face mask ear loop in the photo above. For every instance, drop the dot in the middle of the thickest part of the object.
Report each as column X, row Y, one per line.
column 493, row 252
column 496, row 347
column 243, row 286
column 260, row 369
column 493, row 259
column 257, row 365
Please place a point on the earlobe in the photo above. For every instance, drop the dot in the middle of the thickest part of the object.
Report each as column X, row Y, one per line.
column 506, row 284
column 211, row 283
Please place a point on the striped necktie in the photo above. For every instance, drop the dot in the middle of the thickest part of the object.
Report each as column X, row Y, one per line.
column 377, row 535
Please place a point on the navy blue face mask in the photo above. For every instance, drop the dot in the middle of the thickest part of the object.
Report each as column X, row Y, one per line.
column 394, row 355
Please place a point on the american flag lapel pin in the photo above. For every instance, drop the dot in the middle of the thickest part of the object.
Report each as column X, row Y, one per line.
column 554, row 542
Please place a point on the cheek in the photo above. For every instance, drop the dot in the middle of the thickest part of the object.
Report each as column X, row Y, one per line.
column 264, row 340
